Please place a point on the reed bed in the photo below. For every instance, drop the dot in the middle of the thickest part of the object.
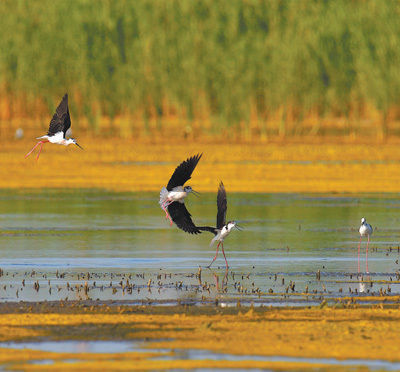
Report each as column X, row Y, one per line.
column 257, row 68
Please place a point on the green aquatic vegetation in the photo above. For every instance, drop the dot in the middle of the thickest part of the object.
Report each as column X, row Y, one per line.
column 231, row 62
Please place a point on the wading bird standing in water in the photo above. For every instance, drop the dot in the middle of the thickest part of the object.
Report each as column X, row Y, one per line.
column 172, row 197
column 365, row 230
column 223, row 229
column 59, row 125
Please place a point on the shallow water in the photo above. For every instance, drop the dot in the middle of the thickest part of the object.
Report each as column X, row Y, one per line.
column 80, row 244
column 78, row 347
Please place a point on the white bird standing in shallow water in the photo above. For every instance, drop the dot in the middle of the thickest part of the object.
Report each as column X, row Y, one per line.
column 59, row 125
column 223, row 229
column 365, row 230
column 172, row 197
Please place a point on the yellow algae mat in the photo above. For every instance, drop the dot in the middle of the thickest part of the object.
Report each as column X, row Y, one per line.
column 164, row 333
column 129, row 165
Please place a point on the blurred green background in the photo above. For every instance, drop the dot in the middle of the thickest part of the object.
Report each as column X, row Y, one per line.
column 266, row 67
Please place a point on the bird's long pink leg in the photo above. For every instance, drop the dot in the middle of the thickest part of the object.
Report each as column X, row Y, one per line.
column 165, row 210
column 164, row 207
column 170, row 220
column 359, row 245
column 30, row 152
column 168, row 216
column 40, row 150
column 216, row 254
column 166, row 213
column 226, row 262
column 366, row 256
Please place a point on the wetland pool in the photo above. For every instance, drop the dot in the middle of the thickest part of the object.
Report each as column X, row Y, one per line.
column 295, row 249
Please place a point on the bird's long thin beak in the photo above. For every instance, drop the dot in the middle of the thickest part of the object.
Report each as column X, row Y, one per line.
column 195, row 193
column 76, row 143
column 240, row 228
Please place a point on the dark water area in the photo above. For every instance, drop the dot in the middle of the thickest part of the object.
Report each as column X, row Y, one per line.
column 80, row 244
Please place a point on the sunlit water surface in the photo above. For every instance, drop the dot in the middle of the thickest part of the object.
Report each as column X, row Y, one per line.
column 294, row 249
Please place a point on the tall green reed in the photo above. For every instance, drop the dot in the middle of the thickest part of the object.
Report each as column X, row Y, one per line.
column 228, row 60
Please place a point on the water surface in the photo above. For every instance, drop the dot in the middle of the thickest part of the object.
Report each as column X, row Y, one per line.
column 84, row 244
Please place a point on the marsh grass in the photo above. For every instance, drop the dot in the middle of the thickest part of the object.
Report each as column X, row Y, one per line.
column 258, row 68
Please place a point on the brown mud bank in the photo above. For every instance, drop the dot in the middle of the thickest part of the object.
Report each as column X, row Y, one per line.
column 239, row 337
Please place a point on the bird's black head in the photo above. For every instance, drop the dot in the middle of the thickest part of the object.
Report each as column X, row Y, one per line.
column 189, row 189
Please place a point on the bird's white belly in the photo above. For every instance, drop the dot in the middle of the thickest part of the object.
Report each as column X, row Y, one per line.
column 224, row 233
column 176, row 195
column 365, row 230
column 58, row 138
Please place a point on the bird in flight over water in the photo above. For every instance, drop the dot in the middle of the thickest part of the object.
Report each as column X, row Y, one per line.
column 223, row 229
column 172, row 197
column 59, row 125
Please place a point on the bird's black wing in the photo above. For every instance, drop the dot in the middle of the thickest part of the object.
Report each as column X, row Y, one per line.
column 182, row 218
column 221, row 205
column 61, row 121
column 183, row 172
column 208, row 228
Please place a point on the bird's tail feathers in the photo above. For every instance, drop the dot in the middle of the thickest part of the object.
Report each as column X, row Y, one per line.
column 45, row 136
column 213, row 240
column 163, row 196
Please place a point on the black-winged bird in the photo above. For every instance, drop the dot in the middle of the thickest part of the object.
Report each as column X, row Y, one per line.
column 59, row 125
column 223, row 229
column 172, row 197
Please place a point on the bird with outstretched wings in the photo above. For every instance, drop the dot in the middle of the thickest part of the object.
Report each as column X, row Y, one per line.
column 59, row 125
column 172, row 197
column 223, row 229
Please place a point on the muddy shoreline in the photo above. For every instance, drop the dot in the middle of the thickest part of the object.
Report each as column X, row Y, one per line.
column 185, row 337
column 154, row 308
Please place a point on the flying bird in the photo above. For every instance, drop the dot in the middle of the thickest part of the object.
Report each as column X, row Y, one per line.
column 365, row 230
column 172, row 197
column 223, row 229
column 59, row 125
